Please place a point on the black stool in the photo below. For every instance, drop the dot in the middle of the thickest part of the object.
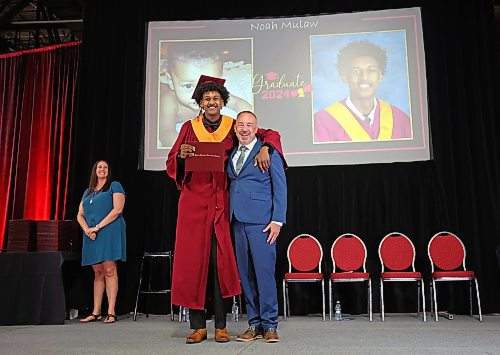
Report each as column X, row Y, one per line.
column 161, row 255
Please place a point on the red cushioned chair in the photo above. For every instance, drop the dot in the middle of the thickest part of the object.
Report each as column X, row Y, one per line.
column 348, row 255
column 397, row 255
column 447, row 255
column 304, row 265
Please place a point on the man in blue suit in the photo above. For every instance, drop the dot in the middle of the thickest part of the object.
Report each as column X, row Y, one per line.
column 258, row 203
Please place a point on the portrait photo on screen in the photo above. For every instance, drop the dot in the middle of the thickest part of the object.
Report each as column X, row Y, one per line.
column 361, row 87
column 181, row 65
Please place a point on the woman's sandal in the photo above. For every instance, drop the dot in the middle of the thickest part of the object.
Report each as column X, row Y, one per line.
column 110, row 318
column 91, row 318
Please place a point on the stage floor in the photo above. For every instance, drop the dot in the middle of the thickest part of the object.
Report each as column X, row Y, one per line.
column 399, row 334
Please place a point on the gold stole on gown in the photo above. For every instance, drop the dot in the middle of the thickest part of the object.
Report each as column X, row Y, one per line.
column 216, row 136
column 354, row 128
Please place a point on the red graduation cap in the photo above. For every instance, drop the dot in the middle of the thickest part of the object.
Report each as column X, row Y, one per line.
column 206, row 78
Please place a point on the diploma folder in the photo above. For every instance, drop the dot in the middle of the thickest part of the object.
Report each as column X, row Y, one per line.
column 208, row 156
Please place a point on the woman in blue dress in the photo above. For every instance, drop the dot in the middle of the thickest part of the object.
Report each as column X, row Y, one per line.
column 100, row 216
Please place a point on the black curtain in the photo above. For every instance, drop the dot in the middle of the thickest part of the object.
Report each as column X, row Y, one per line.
column 457, row 191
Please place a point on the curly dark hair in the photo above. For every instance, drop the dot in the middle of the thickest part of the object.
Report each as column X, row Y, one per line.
column 360, row 49
column 210, row 86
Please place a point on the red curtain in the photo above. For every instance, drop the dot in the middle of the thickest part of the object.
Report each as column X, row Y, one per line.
column 38, row 101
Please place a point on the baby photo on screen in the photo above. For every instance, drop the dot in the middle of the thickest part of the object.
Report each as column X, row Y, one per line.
column 182, row 63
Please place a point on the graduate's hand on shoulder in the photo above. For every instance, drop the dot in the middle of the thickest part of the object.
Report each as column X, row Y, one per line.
column 263, row 159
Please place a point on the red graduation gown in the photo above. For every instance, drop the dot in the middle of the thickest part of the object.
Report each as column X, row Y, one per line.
column 204, row 207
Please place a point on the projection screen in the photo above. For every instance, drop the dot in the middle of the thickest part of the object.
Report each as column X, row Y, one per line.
column 340, row 89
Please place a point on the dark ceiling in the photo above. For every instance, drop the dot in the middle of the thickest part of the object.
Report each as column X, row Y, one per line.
column 33, row 24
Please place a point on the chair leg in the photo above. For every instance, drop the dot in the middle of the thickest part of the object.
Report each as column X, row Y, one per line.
column 370, row 299
column 138, row 290
column 470, row 298
column 478, row 301
column 418, row 299
column 382, row 311
column 432, row 298
column 423, row 299
column 287, row 301
column 330, row 301
column 172, row 316
column 436, row 313
column 323, row 297
column 284, row 299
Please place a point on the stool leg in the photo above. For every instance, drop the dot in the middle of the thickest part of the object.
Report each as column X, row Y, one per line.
column 138, row 290
column 149, row 285
column 170, row 288
column 148, row 291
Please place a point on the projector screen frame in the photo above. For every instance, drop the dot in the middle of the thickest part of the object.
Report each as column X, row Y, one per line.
column 301, row 84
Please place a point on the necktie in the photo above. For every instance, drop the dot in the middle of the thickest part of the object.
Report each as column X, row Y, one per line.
column 241, row 159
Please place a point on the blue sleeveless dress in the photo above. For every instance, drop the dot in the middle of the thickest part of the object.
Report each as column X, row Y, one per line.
column 110, row 244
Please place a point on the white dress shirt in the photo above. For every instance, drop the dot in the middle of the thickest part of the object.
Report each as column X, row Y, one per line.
column 247, row 153
column 370, row 116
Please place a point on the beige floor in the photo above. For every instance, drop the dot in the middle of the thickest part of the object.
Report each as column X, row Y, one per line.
column 399, row 334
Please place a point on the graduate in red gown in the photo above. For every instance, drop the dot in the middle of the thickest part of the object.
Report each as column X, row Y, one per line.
column 204, row 260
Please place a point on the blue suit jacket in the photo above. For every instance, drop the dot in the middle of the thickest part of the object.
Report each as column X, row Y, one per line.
column 255, row 196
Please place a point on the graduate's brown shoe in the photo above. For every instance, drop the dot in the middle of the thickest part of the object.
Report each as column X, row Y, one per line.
column 221, row 335
column 197, row 336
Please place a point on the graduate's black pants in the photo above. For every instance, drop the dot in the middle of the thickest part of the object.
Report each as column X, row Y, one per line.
column 197, row 318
